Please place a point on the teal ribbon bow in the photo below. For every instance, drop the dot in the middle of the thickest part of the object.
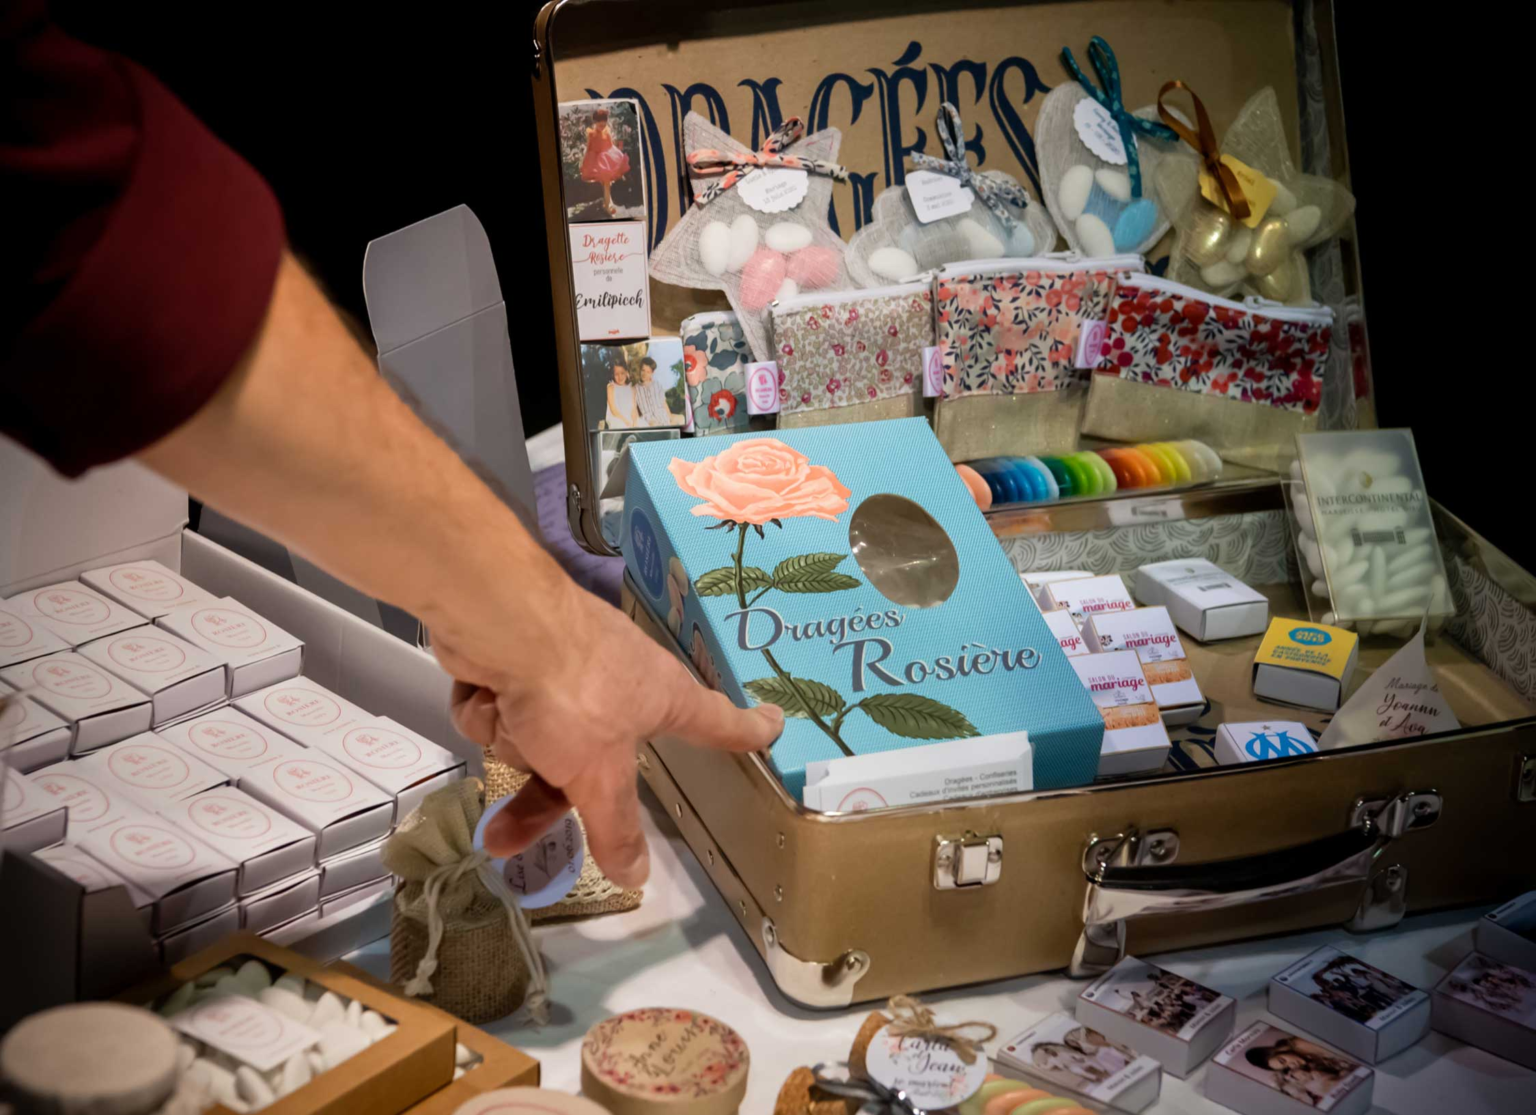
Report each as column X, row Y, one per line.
column 991, row 192
column 1108, row 69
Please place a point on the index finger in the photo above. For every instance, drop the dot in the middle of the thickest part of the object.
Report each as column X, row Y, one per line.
column 705, row 718
column 609, row 803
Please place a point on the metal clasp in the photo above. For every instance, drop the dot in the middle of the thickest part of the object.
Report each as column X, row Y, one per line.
column 967, row 861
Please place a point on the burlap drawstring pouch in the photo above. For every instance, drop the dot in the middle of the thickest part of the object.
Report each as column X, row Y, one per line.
column 458, row 940
column 754, row 255
column 593, row 894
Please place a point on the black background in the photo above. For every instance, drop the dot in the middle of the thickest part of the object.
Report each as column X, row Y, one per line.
column 369, row 118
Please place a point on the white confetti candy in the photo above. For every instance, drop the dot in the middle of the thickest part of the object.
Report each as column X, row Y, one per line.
column 458, row 1072
column 1072, row 194
column 743, row 241
column 255, row 976
column 374, row 1024
column 252, row 1088
column 297, row 1072
column 232, row 985
column 328, row 1009
column 787, row 236
column 1094, row 235
column 285, row 1002
column 178, row 1000
column 979, row 241
column 893, row 264
column 462, row 1054
column 354, row 1016
column 715, row 247
column 213, row 976
column 338, row 1041
column 1115, row 183
column 290, row 983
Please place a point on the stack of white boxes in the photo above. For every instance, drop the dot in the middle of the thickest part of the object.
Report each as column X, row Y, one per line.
column 267, row 814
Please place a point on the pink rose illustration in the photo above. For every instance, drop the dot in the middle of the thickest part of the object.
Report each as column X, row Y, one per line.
column 758, row 480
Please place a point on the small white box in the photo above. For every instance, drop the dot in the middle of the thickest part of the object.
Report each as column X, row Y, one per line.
column 146, row 587
column 304, row 711
column 986, row 766
column 1204, row 600
column 187, row 879
column 23, row 639
column 179, row 678
column 280, row 903
column 1038, row 580
column 365, row 893
column 100, row 707
column 269, row 847
column 1262, row 740
column 340, row 806
column 30, row 735
column 92, row 875
column 1268, row 1071
column 1173, row 1020
column 1134, row 737
column 1150, row 633
column 149, row 771
column 255, row 651
column 1368, row 1013
column 403, row 764
column 31, row 818
column 229, row 741
column 91, row 803
column 1066, row 632
column 352, row 869
column 1068, row 1055
column 1508, row 934
column 181, row 943
column 1081, row 597
column 1489, row 1005
column 74, row 613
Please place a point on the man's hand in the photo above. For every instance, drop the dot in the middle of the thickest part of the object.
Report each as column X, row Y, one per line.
column 604, row 689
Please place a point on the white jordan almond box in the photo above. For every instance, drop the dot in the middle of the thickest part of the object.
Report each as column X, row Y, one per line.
column 150, row 771
column 229, row 741
column 1081, row 597
column 187, row 879
column 178, row 678
column 92, row 875
column 1151, row 634
column 30, row 735
column 280, row 903
column 147, row 587
column 73, row 612
column 29, row 818
column 304, row 711
column 23, row 639
column 352, row 869
column 1067, row 633
column 99, row 706
column 403, row 764
column 1037, row 581
column 91, row 802
column 268, row 846
column 1134, row 737
column 341, row 807
column 255, row 651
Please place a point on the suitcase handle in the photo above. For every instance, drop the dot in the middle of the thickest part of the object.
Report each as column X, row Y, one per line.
column 1120, row 889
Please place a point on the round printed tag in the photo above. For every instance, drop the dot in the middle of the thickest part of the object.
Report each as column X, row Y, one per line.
column 931, row 1074
column 547, row 870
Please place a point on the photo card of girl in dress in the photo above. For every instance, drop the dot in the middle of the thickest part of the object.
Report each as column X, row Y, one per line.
column 601, row 161
column 635, row 386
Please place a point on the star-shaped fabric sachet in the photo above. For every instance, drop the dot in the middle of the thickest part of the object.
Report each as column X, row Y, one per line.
column 1223, row 255
column 755, row 257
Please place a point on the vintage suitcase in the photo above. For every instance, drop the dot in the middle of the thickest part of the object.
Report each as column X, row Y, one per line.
column 853, row 907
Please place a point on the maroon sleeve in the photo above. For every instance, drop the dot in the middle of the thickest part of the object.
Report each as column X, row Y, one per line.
column 144, row 251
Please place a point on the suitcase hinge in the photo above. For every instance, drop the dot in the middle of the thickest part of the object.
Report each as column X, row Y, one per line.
column 809, row 983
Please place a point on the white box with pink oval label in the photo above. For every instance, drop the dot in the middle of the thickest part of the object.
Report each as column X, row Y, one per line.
column 340, row 806
column 146, row 587
column 178, row 678
column 255, row 651
column 403, row 764
column 92, row 804
column 30, row 735
column 229, row 741
column 269, row 847
column 149, row 771
column 100, row 707
column 23, row 639
column 73, row 612
column 304, row 711
column 187, row 879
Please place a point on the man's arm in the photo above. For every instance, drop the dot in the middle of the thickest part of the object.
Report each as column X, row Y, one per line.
column 305, row 442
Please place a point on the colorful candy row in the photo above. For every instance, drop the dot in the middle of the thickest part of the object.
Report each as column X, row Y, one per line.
column 1098, row 472
column 1001, row 1096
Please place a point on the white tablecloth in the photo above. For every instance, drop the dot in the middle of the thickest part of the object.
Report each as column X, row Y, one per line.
column 683, row 948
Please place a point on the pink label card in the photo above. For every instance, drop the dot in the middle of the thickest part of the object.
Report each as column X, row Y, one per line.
column 763, row 384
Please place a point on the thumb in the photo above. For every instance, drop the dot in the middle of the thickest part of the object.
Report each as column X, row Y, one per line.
column 704, row 718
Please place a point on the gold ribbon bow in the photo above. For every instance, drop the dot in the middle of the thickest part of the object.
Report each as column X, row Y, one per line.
column 910, row 1018
column 1205, row 144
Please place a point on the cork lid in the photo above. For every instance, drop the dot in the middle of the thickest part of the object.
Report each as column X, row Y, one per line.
column 103, row 1058
column 527, row 1101
column 665, row 1061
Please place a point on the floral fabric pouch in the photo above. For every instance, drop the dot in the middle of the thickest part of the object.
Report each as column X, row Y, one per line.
column 1245, row 377
column 1008, row 334
column 715, row 355
column 853, row 356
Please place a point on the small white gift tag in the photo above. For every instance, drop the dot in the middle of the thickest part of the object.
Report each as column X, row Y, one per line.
column 774, row 189
column 929, row 1071
column 1401, row 700
column 248, row 1031
column 935, row 196
column 1098, row 131
column 1090, row 343
column 763, row 387
column 547, row 870
column 933, row 372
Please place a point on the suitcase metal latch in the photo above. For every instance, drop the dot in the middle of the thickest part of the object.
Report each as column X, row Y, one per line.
column 967, row 861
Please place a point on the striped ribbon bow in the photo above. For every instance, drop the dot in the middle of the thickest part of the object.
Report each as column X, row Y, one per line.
column 733, row 166
column 992, row 193
column 1108, row 69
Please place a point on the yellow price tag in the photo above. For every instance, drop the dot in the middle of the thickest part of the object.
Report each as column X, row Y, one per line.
column 1257, row 188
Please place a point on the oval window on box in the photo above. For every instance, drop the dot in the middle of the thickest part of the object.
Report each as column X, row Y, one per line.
column 903, row 551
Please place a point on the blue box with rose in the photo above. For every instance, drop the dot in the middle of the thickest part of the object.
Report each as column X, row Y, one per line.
column 845, row 574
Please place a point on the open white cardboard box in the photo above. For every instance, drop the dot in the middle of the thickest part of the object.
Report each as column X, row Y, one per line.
column 83, row 945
